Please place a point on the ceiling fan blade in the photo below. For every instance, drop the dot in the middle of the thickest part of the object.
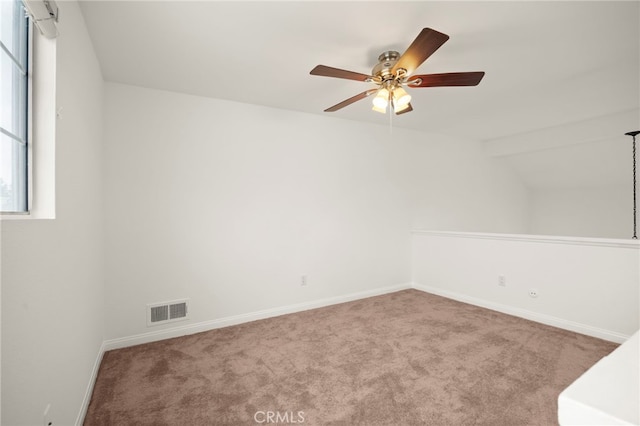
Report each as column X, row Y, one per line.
column 408, row 109
column 326, row 71
column 427, row 42
column 351, row 100
column 446, row 79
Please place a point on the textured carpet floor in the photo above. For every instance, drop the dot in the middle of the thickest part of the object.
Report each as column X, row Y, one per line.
column 405, row 358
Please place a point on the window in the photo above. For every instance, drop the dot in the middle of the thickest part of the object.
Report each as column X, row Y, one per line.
column 14, row 114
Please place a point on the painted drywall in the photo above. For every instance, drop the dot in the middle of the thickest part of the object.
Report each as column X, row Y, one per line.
column 455, row 186
column 52, row 270
column 590, row 286
column 600, row 212
column 579, row 175
column 229, row 204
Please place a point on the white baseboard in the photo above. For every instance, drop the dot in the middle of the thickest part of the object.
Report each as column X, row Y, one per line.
column 168, row 333
column 89, row 391
column 588, row 330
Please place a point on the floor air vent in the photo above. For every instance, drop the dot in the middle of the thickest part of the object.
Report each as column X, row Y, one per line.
column 160, row 313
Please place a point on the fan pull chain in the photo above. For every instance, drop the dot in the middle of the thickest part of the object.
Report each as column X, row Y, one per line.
column 390, row 119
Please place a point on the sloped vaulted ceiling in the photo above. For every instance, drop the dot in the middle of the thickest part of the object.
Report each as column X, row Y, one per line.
column 548, row 64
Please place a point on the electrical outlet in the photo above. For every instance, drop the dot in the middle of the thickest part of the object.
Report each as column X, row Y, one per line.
column 303, row 280
column 502, row 281
column 533, row 292
column 47, row 416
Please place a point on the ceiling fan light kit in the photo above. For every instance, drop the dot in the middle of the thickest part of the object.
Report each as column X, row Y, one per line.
column 393, row 71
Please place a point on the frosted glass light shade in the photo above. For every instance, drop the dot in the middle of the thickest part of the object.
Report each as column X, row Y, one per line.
column 399, row 108
column 400, row 97
column 382, row 98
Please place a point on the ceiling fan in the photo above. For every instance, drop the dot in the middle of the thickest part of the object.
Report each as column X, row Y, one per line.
column 394, row 71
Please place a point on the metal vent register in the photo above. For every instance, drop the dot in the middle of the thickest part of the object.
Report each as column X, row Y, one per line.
column 160, row 313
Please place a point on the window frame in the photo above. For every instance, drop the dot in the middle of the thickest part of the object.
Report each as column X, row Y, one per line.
column 25, row 163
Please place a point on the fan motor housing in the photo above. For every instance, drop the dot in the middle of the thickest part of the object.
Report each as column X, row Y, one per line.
column 386, row 62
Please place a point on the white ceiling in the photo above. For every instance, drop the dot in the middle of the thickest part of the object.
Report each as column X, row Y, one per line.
column 547, row 63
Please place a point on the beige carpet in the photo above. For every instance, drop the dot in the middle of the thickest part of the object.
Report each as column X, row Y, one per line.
column 405, row 358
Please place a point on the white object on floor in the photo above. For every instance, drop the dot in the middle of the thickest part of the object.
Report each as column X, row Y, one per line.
column 608, row 393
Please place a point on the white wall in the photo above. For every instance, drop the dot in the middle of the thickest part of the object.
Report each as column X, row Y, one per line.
column 600, row 212
column 579, row 175
column 52, row 270
column 456, row 186
column 590, row 286
column 228, row 204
